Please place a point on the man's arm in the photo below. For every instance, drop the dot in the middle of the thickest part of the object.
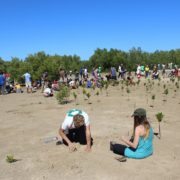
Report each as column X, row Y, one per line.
column 88, row 138
column 63, row 136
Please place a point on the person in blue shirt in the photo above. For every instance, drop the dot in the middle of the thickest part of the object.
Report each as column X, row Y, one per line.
column 89, row 83
column 113, row 73
column 2, row 83
column 141, row 144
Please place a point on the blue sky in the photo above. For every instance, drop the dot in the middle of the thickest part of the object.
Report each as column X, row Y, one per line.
column 79, row 27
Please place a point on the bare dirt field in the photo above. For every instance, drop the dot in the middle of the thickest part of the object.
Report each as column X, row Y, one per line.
column 27, row 119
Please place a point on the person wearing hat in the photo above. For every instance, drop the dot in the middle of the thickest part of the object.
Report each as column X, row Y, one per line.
column 76, row 128
column 141, row 144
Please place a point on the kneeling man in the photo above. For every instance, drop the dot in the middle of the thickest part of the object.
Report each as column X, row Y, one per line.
column 76, row 128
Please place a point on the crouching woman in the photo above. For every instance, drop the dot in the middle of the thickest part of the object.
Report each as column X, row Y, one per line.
column 141, row 144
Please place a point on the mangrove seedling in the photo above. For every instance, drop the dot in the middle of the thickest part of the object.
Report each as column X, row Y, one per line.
column 166, row 92
column 159, row 117
column 10, row 159
column 128, row 91
column 75, row 97
column 153, row 98
column 84, row 93
column 88, row 96
column 97, row 94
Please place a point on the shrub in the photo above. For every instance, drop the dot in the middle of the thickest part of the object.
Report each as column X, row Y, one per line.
column 63, row 94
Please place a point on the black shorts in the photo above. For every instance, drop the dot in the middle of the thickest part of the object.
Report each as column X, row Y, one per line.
column 119, row 149
column 77, row 135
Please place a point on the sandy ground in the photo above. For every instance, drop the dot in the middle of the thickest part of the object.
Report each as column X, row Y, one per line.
column 27, row 119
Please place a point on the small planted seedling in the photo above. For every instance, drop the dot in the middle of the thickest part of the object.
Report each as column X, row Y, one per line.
column 128, row 91
column 159, row 117
column 88, row 96
column 153, row 98
column 177, row 85
column 147, row 89
column 84, row 93
column 166, row 92
column 75, row 97
column 138, row 82
column 93, row 87
column 10, row 159
column 172, row 79
column 97, row 94
column 122, row 88
column 106, row 85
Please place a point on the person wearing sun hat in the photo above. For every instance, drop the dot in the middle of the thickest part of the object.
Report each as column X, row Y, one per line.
column 141, row 144
column 139, row 112
column 76, row 128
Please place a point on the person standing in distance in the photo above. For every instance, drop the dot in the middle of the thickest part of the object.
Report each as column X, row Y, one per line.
column 28, row 82
column 2, row 83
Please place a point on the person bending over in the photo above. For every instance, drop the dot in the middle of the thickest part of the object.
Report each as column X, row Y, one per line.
column 76, row 128
column 48, row 91
column 141, row 144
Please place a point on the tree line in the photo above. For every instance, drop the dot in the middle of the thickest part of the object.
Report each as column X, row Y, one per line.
column 36, row 64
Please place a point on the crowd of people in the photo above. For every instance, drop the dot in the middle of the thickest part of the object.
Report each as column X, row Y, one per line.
column 76, row 78
column 154, row 72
